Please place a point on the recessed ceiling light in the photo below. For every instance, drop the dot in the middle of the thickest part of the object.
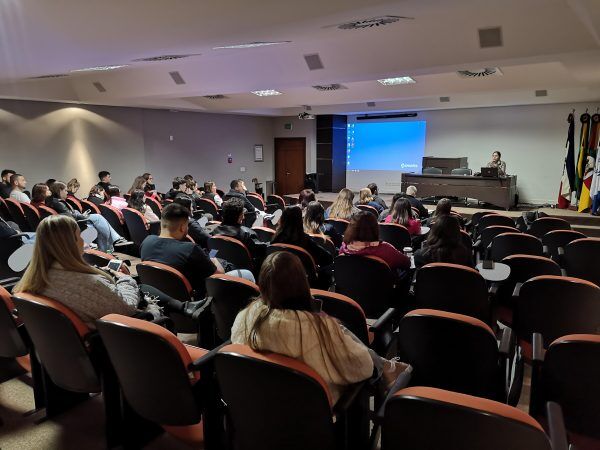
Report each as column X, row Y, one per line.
column 251, row 45
column 266, row 93
column 396, row 80
column 99, row 68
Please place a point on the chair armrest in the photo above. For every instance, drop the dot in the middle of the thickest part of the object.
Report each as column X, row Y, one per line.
column 560, row 251
column 506, row 342
column 477, row 244
column 165, row 322
column 348, row 397
column 384, row 320
column 517, row 289
column 563, row 272
column 546, row 251
column 203, row 360
column 538, row 348
column 556, row 427
column 493, row 290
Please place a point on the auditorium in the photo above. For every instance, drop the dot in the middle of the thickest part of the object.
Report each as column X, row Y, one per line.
column 269, row 225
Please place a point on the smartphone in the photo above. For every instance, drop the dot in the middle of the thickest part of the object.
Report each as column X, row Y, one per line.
column 115, row 264
column 487, row 264
column 213, row 253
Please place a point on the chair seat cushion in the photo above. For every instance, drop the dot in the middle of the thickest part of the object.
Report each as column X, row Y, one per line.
column 192, row 435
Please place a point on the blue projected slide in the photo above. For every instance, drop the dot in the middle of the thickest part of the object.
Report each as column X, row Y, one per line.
column 388, row 146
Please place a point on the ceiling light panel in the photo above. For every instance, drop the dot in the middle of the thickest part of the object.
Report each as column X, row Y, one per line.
column 266, row 92
column 251, row 45
column 99, row 68
column 396, row 80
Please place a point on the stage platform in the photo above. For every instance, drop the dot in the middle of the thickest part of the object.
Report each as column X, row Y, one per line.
column 586, row 223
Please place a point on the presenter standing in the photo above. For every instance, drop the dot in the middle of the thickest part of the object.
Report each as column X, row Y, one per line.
column 497, row 162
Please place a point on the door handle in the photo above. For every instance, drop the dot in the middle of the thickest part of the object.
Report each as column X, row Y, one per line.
column 287, row 173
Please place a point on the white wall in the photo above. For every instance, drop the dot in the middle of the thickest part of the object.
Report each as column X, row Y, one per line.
column 300, row 128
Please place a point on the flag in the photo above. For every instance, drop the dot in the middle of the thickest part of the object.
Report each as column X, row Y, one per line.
column 585, row 200
column 595, row 186
column 567, row 182
column 583, row 152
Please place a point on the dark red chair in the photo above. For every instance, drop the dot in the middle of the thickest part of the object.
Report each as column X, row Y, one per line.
column 115, row 218
column 154, row 205
column 257, row 201
column 581, row 259
column 484, row 241
column 97, row 258
column 307, row 260
column 368, row 209
column 506, row 244
column 340, row 225
column 46, row 211
column 276, row 200
column 494, row 219
column 553, row 240
column 539, row 227
column 232, row 250
column 137, row 225
column 264, row 234
column 75, row 203
column 395, row 234
column 32, row 215
column 209, row 207
column 86, row 205
column 17, row 214
column 4, row 212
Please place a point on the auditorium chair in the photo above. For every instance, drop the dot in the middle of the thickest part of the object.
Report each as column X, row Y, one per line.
column 86, row 205
column 275, row 200
column 555, row 306
column 457, row 352
column 494, row 219
column 475, row 218
column 395, row 234
column 232, row 250
column 275, row 402
column 325, row 242
column 137, row 225
column 75, row 203
column 453, row 288
column 9, row 245
column 18, row 215
column 581, row 259
column 369, row 281
column 340, row 225
column 256, row 200
column 415, row 212
column 461, row 171
column 553, row 240
column 163, row 380
column 250, row 219
column 481, row 247
column 4, row 212
column 46, row 211
column 264, row 234
column 368, row 209
column 434, row 419
column 72, row 357
column 431, row 171
column 228, row 295
column 32, row 215
column 522, row 268
column 512, row 243
column 467, row 241
column 209, row 207
column 306, row 258
column 539, row 227
column 154, row 205
column 568, row 373
column 115, row 218
column 173, row 283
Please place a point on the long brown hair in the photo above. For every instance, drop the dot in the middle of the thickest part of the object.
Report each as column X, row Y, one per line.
column 139, row 183
column 363, row 227
column 402, row 212
column 56, row 241
column 342, row 206
column 283, row 285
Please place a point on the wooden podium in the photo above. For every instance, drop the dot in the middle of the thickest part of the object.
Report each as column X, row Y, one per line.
column 446, row 164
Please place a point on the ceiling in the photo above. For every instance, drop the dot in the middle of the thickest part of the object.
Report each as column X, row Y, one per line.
column 551, row 45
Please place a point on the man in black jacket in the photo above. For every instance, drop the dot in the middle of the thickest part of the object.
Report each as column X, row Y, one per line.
column 105, row 179
column 5, row 186
column 411, row 193
column 196, row 231
column 238, row 190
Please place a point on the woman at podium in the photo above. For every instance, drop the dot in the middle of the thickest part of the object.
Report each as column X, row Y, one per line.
column 497, row 162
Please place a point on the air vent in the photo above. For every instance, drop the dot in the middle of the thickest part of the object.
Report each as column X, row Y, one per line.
column 490, row 37
column 371, row 104
column 329, row 87
column 177, row 78
column 541, row 93
column 54, row 75
column 370, row 23
column 164, row 58
column 480, row 73
column 444, row 99
column 313, row 61
column 216, row 97
column 99, row 86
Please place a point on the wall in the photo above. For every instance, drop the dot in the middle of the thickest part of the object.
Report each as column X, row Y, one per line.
column 300, row 128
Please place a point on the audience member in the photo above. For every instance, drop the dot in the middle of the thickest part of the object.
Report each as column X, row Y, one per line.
column 305, row 197
column 72, row 187
column 411, row 196
column 39, row 193
column 104, row 179
column 97, row 195
column 283, row 320
column 402, row 214
column 366, row 198
column 50, row 181
column 18, row 183
column 136, row 201
column 188, row 258
column 196, row 231
column 375, row 193
column 115, row 198
column 139, row 183
column 342, row 207
column 362, row 238
column 314, row 223
column 443, row 208
column 444, row 244
column 238, row 190
column 149, row 181
column 210, row 192
column 386, row 212
column 5, row 185
column 179, row 185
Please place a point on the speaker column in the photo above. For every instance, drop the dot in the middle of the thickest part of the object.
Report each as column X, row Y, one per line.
column 331, row 152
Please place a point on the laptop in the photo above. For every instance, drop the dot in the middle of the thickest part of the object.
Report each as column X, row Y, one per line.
column 489, row 172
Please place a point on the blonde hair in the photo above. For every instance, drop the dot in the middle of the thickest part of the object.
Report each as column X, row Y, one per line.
column 342, row 206
column 73, row 184
column 56, row 241
column 138, row 183
column 366, row 196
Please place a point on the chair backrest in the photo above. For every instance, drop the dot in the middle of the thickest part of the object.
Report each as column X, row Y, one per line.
column 489, row 233
column 59, row 337
column 345, row 310
column 569, row 376
column 340, row 225
column 154, row 205
column 97, row 258
column 369, row 209
column 581, row 259
column 152, row 367
column 46, row 211
column 395, row 234
column 467, row 241
column 559, row 238
column 461, row 171
column 276, row 199
column 17, row 214
column 32, row 215
column 506, row 244
column 476, row 217
column 208, row 206
column 289, row 402
column 451, row 351
column 368, row 280
column 12, row 344
column 430, row 418
column 75, row 203
column 114, row 217
column 166, row 279
column 453, row 288
column 539, row 227
column 264, row 234
column 431, row 171
column 556, row 306
column 86, row 205
column 232, row 250
column 494, row 219
column 325, row 242
column 307, row 260
column 256, row 200
column 137, row 225
column 229, row 296
column 4, row 212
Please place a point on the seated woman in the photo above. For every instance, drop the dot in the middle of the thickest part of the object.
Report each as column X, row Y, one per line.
column 362, row 239
column 97, row 195
column 136, row 201
column 39, row 192
column 115, row 198
column 72, row 187
column 366, row 198
column 314, row 223
column 305, row 197
column 497, row 162
column 139, row 183
column 282, row 320
column 402, row 214
column 443, row 208
column 342, row 207
column 444, row 244
column 107, row 236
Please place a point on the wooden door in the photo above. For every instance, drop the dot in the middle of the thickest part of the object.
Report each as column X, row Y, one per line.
column 290, row 165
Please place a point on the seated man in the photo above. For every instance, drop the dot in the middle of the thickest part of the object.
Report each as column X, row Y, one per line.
column 210, row 192
column 188, row 258
column 411, row 196
column 18, row 184
column 105, row 178
column 231, row 225
column 196, row 231
column 376, row 198
column 5, row 186
column 238, row 190
column 179, row 185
